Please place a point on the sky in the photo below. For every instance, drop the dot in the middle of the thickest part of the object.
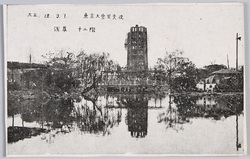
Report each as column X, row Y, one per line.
column 206, row 33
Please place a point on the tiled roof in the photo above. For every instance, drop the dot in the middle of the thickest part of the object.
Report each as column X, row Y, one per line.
column 225, row 71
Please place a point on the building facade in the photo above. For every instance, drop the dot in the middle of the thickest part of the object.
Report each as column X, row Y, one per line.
column 137, row 49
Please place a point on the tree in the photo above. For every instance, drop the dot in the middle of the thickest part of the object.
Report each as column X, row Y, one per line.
column 186, row 78
column 92, row 67
column 60, row 73
column 68, row 70
column 181, row 72
column 214, row 67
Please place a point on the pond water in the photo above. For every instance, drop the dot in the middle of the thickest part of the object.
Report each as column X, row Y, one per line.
column 127, row 124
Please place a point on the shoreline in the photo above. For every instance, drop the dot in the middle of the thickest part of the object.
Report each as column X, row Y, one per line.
column 36, row 94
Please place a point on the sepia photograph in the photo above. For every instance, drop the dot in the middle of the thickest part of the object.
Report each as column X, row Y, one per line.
column 125, row 79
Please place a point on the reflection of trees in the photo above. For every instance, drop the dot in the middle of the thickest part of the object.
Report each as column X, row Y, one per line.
column 213, row 106
column 19, row 133
column 172, row 117
column 137, row 117
column 97, row 120
column 28, row 109
column 12, row 107
column 183, row 107
column 57, row 114
column 54, row 113
column 233, row 102
column 93, row 122
column 60, row 115
column 186, row 106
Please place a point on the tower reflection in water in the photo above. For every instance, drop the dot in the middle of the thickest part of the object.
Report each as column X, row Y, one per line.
column 137, row 115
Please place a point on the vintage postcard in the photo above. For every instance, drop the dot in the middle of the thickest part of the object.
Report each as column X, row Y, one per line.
column 131, row 79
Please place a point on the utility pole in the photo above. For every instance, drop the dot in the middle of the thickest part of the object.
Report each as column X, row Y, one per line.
column 238, row 79
column 227, row 62
column 237, row 38
column 30, row 58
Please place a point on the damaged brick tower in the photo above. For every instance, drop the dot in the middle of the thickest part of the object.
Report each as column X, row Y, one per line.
column 137, row 49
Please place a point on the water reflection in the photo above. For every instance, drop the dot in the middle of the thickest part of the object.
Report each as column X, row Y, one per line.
column 54, row 114
column 137, row 115
column 182, row 108
column 97, row 122
column 173, row 117
column 100, row 115
column 209, row 106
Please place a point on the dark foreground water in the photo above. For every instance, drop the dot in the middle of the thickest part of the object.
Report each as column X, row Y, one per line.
column 127, row 124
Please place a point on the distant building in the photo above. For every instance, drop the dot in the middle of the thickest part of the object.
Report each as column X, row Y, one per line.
column 137, row 49
column 201, row 86
column 222, row 80
column 208, row 86
column 226, row 72
column 20, row 73
column 211, row 82
column 228, row 80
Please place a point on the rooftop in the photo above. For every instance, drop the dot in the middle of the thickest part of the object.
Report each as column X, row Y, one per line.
column 225, row 71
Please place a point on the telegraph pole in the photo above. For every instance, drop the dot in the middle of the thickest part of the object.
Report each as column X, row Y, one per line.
column 237, row 38
column 30, row 58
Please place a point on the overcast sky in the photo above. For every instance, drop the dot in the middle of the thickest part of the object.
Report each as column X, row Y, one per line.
column 206, row 33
